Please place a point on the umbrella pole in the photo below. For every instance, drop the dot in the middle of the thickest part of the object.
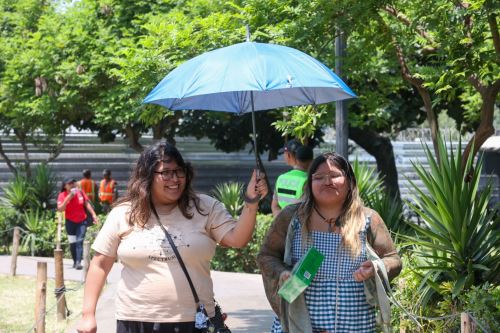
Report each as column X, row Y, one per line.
column 254, row 135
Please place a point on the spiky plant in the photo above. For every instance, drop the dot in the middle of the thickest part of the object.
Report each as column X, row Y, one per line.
column 19, row 194
column 44, row 185
column 229, row 194
column 375, row 196
column 459, row 241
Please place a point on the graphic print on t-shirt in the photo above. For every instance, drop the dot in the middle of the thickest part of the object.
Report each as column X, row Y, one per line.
column 161, row 249
column 166, row 253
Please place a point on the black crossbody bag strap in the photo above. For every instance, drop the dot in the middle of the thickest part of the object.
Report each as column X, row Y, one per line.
column 179, row 258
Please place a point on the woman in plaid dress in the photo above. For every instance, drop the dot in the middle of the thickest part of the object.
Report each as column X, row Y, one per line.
column 331, row 218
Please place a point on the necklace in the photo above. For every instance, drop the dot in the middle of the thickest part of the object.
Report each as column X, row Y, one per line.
column 329, row 221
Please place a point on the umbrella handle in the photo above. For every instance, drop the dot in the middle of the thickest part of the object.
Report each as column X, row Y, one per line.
column 257, row 174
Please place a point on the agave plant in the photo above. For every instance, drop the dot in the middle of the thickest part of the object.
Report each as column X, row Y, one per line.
column 390, row 208
column 44, row 185
column 368, row 180
column 18, row 194
column 374, row 195
column 459, row 240
column 229, row 194
column 33, row 223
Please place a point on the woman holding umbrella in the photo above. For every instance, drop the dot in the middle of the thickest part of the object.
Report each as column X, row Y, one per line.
column 160, row 206
column 331, row 218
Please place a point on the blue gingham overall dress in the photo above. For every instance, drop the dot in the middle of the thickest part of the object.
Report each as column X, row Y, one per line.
column 336, row 302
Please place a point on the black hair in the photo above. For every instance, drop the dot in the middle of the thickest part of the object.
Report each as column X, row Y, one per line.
column 139, row 187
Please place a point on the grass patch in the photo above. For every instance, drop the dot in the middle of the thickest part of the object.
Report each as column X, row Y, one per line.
column 17, row 306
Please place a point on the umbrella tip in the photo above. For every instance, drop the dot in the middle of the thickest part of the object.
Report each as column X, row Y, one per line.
column 248, row 32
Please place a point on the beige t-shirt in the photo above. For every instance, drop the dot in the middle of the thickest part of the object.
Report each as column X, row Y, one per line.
column 153, row 287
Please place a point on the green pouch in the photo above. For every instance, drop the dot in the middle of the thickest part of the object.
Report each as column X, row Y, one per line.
column 303, row 273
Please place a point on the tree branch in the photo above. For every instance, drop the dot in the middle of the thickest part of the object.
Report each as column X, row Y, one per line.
column 476, row 83
column 406, row 21
column 467, row 20
column 55, row 151
column 492, row 20
column 323, row 47
column 419, row 85
column 462, row 5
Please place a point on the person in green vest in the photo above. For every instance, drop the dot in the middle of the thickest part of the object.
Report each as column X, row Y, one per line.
column 289, row 186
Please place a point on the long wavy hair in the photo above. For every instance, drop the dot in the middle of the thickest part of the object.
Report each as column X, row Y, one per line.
column 139, row 187
column 352, row 217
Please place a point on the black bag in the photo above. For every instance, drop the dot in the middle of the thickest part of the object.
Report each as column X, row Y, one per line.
column 216, row 323
column 202, row 321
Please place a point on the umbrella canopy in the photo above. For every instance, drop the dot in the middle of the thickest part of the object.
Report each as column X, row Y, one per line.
column 227, row 79
column 249, row 77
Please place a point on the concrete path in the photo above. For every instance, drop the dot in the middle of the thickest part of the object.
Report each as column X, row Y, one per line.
column 240, row 295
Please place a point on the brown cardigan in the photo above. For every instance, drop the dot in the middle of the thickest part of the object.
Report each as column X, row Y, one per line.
column 270, row 257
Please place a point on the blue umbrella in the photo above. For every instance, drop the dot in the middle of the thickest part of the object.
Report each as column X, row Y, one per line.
column 249, row 77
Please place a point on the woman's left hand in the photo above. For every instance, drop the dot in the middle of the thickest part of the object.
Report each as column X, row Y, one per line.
column 364, row 272
column 257, row 186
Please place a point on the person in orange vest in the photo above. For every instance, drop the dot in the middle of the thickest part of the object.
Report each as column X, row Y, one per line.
column 88, row 185
column 108, row 191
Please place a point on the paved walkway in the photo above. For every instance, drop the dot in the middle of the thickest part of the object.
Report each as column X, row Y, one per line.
column 241, row 295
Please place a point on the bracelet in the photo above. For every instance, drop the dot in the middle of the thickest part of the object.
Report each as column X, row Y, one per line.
column 248, row 200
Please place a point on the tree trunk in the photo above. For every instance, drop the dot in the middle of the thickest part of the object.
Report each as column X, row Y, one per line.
column 133, row 139
column 431, row 115
column 485, row 128
column 158, row 130
column 22, row 140
column 166, row 128
column 488, row 94
column 7, row 160
column 381, row 148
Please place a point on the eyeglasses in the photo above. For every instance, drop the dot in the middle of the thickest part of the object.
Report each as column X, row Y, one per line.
column 322, row 177
column 167, row 174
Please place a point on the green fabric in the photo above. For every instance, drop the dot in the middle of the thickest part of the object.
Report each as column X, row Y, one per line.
column 290, row 187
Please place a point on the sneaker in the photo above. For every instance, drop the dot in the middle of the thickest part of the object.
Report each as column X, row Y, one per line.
column 74, row 265
column 78, row 266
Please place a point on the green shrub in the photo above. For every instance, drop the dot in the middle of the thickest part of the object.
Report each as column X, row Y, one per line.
column 9, row 218
column 404, row 289
column 39, row 233
column 482, row 302
column 243, row 260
